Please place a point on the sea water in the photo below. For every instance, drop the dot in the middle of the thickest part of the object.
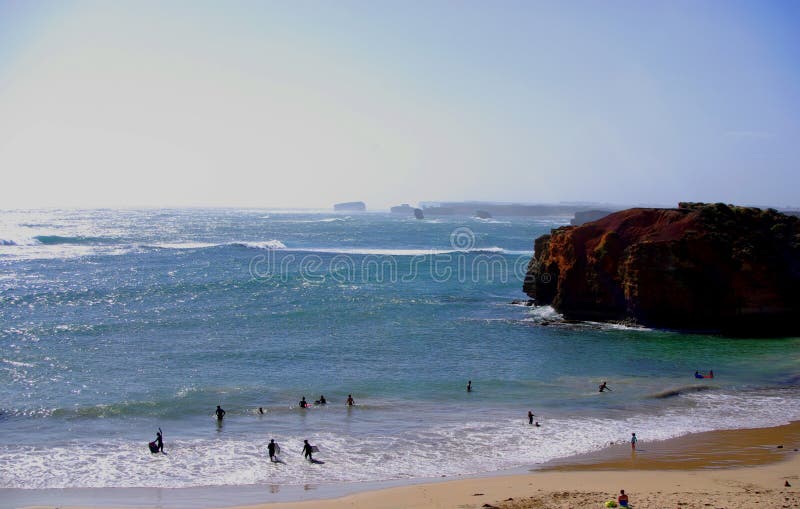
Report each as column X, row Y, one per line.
column 114, row 323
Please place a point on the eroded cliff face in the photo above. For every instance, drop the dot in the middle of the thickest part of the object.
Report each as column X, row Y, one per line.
column 698, row 267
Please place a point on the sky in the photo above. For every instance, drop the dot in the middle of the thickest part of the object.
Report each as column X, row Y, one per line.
column 304, row 104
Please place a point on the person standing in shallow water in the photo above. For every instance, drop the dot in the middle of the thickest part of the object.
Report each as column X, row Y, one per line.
column 220, row 413
column 633, row 441
column 307, row 450
column 160, row 441
column 350, row 400
column 530, row 416
column 469, row 386
column 271, row 450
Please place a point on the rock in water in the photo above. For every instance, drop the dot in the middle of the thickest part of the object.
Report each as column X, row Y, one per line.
column 352, row 206
column 707, row 267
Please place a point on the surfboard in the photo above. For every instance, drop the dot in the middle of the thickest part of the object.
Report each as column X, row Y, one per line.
column 277, row 449
column 314, row 448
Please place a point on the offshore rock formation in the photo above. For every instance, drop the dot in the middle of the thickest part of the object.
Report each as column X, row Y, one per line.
column 705, row 267
column 352, row 206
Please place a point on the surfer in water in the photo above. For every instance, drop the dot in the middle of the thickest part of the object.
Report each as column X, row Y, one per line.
column 307, row 450
column 350, row 400
column 303, row 403
column 220, row 413
column 469, row 386
column 271, row 449
column 260, row 411
column 604, row 387
column 321, row 400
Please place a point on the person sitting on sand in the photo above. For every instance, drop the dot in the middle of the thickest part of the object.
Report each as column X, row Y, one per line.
column 307, row 450
column 303, row 403
column 622, row 499
column 350, row 400
column 220, row 413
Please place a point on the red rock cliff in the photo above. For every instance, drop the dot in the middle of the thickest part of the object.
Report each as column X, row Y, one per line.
column 698, row 267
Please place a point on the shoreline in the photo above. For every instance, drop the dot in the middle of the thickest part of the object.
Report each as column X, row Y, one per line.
column 708, row 465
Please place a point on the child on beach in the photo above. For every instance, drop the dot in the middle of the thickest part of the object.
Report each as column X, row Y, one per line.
column 622, row 499
column 633, row 441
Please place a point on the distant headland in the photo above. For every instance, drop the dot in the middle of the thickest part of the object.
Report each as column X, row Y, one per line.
column 705, row 267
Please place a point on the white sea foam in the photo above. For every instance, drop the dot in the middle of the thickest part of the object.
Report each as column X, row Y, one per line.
column 450, row 449
column 267, row 244
column 398, row 252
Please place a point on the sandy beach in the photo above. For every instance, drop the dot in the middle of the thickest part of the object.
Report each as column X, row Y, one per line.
column 721, row 469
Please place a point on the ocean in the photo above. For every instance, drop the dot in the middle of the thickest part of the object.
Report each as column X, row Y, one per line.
column 114, row 323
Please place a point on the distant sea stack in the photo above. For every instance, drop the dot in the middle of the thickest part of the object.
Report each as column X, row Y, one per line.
column 405, row 208
column 704, row 267
column 351, row 206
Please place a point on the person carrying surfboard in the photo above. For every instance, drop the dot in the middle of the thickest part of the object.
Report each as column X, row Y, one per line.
column 307, row 450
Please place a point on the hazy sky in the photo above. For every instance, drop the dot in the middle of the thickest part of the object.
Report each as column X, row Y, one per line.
column 307, row 103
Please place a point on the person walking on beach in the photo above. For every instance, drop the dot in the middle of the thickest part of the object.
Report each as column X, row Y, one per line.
column 530, row 416
column 350, row 400
column 469, row 386
column 303, row 403
column 220, row 413
column 633, row 441
column 307, row 450
column 271, row 449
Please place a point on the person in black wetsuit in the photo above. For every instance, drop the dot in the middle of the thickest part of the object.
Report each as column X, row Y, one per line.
column 307, row 450
column 321, row 400
column 303, row 403
column 271, row 449
column 220, row 413
column 469, row 386
column 160, row 441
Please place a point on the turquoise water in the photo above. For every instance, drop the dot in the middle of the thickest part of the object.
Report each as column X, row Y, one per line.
column 114, row 323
